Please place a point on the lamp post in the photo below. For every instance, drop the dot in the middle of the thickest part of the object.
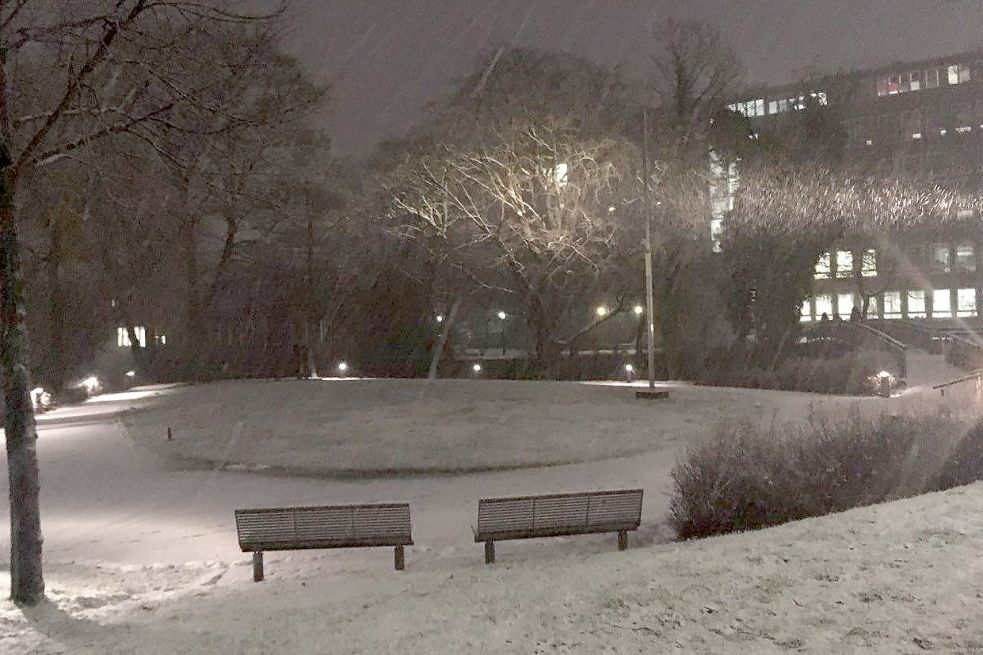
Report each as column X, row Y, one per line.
column 649, row 299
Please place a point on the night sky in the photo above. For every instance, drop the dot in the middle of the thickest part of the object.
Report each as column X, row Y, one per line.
column 386, row 59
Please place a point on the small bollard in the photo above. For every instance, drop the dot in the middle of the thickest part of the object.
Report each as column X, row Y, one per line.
column 169, row 438
column 884, row 385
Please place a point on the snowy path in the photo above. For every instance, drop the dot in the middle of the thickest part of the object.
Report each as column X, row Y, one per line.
column 105, row 500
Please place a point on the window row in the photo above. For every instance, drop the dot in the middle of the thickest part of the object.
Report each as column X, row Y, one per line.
column 937, row 258
column 140, row 332
column 929, row 78
column 763, row 107
column 841, row 262
column 914, row 303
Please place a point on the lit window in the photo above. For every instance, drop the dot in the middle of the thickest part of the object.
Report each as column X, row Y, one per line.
column 123, row 337
column 916, row 135
column 868, row 265
column 845, row 305
column 932, row 78
column 773, row 107
column 966, row 302
column 964, row 129
column 916, row 304
column 882, row 86
column 823, row 267
column 821, row 97
column 915, row 81
column 940, row 258
column 892, row 304
column 894, row 84
column 824, row 306
column 844, row 263
column 759, row 107
column 806, row 314
column 872, row 307
column 941, row 304
column 958, row 74
column 965, row 257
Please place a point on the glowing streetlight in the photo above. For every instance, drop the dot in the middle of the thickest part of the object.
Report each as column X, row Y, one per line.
column 638, row 310
column 130, row 374
column 601, row 310
column 629, row 368
column 440, row 318
column 502, row 315
column 343, row 366
column 476, row 368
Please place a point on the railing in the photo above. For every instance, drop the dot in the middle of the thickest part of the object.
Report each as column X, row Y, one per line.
column 975, row 375
column 863, row 335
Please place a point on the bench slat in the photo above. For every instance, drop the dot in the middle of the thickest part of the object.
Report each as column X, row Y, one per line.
column 558, row 514
column 330, row 526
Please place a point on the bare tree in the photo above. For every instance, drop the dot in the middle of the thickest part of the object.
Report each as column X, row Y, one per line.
column 71, row 75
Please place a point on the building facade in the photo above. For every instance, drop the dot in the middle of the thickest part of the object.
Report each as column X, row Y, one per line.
column 918, row 120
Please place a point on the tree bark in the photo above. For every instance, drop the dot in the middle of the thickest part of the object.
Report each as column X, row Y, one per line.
column 26, row 578
column 438, row 350
column 54, row 357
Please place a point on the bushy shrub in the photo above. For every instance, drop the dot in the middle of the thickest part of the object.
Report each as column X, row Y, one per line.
column 850, row 374
column 746, row 477
column 964, row 463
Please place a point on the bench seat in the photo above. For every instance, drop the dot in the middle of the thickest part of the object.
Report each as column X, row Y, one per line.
column 325, row 526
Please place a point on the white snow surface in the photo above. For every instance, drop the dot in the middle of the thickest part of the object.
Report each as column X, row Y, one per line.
column 141, row 554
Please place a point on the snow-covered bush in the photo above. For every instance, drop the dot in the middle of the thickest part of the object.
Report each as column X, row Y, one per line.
column 849, row 373
column 746, row 477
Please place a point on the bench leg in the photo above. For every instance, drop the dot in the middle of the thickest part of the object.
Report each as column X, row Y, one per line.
column 400, row 558
column 622, row 540
column 257, row 566
column 489, row 552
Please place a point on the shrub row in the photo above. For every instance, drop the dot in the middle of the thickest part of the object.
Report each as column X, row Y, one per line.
column 851, row 374
column 745, row 477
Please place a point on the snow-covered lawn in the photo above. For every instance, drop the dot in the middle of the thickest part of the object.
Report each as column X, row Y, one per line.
column 904, row 577
column 375, row 426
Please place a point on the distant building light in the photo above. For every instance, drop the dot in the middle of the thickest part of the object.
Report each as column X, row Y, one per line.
column 611, row 208
column 869, row 142
column 943, row 131
column 964, row 129
column 916, row 135
column 502, row 315
column 131, row 374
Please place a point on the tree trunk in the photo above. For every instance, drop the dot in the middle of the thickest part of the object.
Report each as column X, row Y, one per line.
column 192, row 338
column 442, row 339
column 55, row 355
column 26, row 579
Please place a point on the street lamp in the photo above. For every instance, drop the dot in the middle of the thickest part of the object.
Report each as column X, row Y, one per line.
column 601, row 310
column 343, row 367
column 639, row 310
column 440, row 318
column 502, row 315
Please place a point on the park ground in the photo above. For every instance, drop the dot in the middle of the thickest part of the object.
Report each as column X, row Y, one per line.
column 141, row 555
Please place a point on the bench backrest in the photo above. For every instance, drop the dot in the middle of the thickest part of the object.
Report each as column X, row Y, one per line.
column 558, row 514
column 328, row 526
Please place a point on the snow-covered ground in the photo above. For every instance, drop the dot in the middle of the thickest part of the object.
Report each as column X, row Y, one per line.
column 371, row 426
column 141, row 554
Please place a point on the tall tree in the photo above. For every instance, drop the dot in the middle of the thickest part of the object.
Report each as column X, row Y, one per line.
column 71, row 75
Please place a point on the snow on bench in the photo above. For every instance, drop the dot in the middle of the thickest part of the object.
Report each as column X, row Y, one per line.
column 328, row 526
column 554, row 515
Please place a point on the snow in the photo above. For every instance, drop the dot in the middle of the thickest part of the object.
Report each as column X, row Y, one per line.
column 416, row 426
column 141, row 554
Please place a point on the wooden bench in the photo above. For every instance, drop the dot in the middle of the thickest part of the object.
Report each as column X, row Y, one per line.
column 554, row 515
column 329, row 526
